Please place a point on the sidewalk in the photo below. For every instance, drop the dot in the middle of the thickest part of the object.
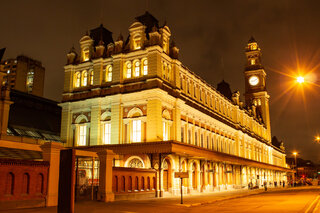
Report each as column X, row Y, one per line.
column 156, row 204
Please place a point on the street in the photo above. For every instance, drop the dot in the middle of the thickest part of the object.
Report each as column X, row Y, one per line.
column 302, row 199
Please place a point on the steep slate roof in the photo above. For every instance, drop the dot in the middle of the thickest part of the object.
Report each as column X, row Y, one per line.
column 101, row 33
column 149, row 21
column 224, row 88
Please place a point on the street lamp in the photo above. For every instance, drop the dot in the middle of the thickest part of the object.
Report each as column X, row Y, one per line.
column 295, row 167
column 317, row 139
column 300, row 79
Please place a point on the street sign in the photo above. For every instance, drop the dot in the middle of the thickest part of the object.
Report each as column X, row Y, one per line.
column 181, row 175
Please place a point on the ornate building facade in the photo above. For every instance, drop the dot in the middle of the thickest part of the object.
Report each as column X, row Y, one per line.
column 136, row 98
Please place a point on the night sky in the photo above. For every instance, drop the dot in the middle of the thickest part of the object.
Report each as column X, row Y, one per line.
column 211, row 36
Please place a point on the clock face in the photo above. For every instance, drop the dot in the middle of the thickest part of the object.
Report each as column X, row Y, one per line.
column 253, row 80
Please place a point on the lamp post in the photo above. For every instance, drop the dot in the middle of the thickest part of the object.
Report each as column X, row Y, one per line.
column 295, row 167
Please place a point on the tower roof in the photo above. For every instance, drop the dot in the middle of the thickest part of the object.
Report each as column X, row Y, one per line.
column 252, row 40
column 101, row 34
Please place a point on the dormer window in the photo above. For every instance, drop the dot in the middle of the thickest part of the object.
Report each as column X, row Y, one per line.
column 86, row 54
column 109, row 73
column 137, row 42
column 252, row 61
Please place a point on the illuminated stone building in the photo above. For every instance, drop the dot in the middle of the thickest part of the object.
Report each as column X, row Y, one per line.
column 136, row 98
column 24, row 74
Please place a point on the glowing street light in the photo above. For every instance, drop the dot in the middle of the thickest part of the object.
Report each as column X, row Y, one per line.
column 300, row 79
column 317, row 138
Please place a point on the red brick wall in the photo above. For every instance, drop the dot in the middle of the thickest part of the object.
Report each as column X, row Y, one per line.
column 23, row 179
column 133, row 180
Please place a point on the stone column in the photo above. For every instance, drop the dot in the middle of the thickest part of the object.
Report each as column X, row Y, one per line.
column 95, row 128
column 51, row 153
column 105, row 192
column 154, row 120
column 116, row 120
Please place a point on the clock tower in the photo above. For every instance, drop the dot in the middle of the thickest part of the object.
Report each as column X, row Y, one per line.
column 255, row 84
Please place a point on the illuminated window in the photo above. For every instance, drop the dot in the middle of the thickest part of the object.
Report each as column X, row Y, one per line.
column 137, row 42
column 107, row 133
column 129, row 67
column 137, row 68
column 77, row 79
column 136, row 130
column 253, row 46
column 169, row 73
column 252, row 61
column 84, row 78
column 109, row 73
column 91, row 77
column 30, row 76
column 189, row 136
column 145, row 67
column 86, row 55
column 165, row 131
column 82, row 135
column 182, row 134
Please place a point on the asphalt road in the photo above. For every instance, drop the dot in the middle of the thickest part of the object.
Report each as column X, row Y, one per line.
column 304, row 200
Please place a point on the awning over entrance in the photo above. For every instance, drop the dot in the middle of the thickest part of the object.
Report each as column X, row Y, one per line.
column 182, row 149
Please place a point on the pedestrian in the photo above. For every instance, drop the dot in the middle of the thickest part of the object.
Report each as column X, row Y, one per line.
column 265, row 185
column 283, row 184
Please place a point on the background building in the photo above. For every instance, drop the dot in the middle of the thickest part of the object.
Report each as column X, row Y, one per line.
column 24, row 74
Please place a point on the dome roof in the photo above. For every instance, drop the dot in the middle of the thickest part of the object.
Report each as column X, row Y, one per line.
column 224, row 88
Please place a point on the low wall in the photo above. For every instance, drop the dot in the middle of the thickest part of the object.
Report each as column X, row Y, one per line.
column 133, row 183
column 23, row 183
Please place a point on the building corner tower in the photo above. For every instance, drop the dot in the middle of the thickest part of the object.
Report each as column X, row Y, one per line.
column 255, row 84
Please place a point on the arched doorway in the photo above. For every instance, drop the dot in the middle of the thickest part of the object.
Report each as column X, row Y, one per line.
column 166, row 175
column 194, row 176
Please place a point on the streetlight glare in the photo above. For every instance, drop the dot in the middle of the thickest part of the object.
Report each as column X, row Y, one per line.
column 300, row 79
column 294, row 153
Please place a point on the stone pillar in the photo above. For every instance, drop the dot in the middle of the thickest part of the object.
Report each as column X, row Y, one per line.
column 154, row 120
column 66, row 121
column 4, row 108
column 116, row 121
column 95, row 128
column 105, row 192
column 51, row 153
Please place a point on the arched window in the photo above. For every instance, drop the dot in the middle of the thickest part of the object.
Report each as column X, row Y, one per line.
column 81, row 130
column 77, row 79
column 137, row 69
column 25, row 183
column 137, row 183
column 142, row 183
column 145, row 67
column 84, row 78
column 116, row 184
column 129, row 69
column 136, row 131
column 40, row 183
column 91, row 77
column 10, row 183
column 30, row 76
column 85, row 53
column 107, row 133
column 123, row 184
column 109, row 73
column 135, row 163
column 130, row 184
column 148, row 183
